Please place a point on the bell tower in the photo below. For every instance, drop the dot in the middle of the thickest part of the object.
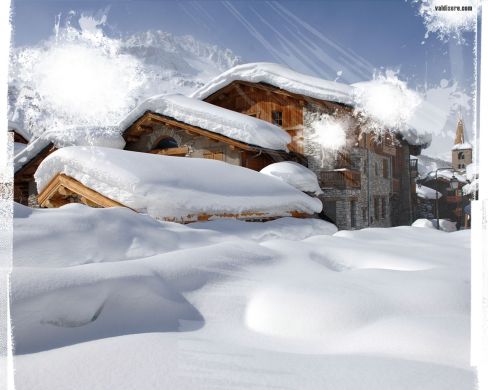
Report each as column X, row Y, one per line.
column 462, row 151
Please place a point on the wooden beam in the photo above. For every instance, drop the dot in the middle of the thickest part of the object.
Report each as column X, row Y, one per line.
column 61, row 180
column 197, row 130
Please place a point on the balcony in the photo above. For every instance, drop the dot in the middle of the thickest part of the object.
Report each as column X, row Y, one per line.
column 340, row 179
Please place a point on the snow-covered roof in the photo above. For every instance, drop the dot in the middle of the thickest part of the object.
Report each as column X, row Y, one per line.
column 427, row 192
column 174, row 187
column 465, row 145
column 212, row 118
column 282, row 77
column 295, row 175
column 17, row 127
column 31, row 150
column 106, row 136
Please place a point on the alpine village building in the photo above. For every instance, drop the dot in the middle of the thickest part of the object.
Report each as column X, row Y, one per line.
column 370, row 183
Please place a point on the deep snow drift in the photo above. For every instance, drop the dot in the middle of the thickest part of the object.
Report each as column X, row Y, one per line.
column 107, row 298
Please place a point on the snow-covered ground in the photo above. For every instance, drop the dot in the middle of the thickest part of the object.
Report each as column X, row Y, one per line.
column 111, row 299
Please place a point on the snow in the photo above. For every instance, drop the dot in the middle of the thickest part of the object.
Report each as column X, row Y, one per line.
column 386, row 103
column 472, row 171
column 235, row 304
column 295, row 175
column 471, row 188
column 106, row 136
column 31, row 150
column 427, row 193
column 83, row 74
column 212, row 118
column 15, row 126
column 281, row 77
column 18, row 147
column 445, row 225
column 175, row 187
column 465, row 145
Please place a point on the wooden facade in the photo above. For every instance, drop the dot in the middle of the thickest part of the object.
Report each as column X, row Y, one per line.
column 271, row 104
column 147, row 133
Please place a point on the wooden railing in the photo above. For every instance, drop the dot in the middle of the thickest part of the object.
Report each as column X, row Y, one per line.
column 340, row 179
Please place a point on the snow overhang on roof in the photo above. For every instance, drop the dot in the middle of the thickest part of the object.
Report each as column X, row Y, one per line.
column 17, row 128
column 174, row 188
column 281, row 77
column 197, row 113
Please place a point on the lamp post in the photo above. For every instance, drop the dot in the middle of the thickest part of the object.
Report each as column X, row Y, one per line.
column 453, row 183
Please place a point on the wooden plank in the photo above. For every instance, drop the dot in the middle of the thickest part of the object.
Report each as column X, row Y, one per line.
column 46, row 196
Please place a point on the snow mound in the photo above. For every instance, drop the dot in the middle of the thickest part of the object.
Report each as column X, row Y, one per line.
column 173, row 187
column 216, row 119
column 281, row 77
column 445, row 225
column 117, row 233
column 285, row 305
column 107, row 136
column 295, row 175
column 292, row 229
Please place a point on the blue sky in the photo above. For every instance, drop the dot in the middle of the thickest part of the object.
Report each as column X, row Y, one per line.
column 316, row 37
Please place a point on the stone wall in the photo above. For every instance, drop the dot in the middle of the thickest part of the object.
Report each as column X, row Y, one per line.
column 351, row 208
column 198, row 145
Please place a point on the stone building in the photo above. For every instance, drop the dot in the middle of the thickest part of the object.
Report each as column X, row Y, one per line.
column 462, row 151
column 367, row 181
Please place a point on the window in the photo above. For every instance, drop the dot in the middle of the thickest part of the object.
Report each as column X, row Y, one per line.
column 376, row 169
column 376, row 205
column 166, row 143
column 385, row 169
column 365, row 214
column 460, row 155
column 383, row 207
column 277, row 117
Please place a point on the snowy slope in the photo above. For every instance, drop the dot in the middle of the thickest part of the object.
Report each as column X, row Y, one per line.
column 206, row 307
column 216, row 119
column 174, row 187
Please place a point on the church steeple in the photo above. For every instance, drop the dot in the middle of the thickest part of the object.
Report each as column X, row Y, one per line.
column 462, row 154
column 459, row 132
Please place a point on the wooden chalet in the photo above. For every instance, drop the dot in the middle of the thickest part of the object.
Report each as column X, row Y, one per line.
column 371, row 184
column 159, row 134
